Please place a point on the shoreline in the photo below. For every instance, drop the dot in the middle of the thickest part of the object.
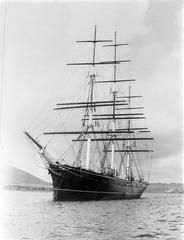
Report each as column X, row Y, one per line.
column 152, row 188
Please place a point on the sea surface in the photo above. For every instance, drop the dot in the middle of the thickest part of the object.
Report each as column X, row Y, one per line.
column 34, row 215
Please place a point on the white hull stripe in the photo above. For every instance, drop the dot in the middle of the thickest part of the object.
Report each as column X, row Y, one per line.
column 84, row 191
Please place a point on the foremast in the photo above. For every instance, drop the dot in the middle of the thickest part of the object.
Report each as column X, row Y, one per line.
column 92, row 76
column 90, row 122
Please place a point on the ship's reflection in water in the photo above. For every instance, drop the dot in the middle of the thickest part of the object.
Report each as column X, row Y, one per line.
column 33, row 215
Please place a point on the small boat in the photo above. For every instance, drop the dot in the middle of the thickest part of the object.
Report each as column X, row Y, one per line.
column 170, row 190
column 110, row 147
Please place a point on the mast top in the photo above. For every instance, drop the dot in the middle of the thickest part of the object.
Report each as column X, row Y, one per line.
column 115, row 44
column 94, row 40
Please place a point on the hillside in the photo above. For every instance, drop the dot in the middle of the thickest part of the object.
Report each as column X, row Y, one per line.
column 18, row 179
column 15, row 176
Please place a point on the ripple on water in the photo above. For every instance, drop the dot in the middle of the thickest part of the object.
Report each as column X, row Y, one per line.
column 161, row 220
column 148, row 235
column 141, row 228
column 174, row 229
column 151, row 217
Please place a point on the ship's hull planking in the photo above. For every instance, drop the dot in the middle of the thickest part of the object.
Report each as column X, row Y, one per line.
column 76, row 184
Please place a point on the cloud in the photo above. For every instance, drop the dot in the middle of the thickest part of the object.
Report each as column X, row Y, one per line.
column 168, row 169
column 163, row 21
column 163, row 35
column 158, row 69
column 169, row 144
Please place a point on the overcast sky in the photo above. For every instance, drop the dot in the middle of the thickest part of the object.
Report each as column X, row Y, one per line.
column 39, row 39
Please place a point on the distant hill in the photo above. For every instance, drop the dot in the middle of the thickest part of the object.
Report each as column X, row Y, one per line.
column 15, row 176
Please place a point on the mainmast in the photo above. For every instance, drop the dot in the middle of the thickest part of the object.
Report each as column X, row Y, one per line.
column 114, row 100
column 114, row 93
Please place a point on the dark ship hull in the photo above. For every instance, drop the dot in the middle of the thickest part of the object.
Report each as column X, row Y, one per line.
column 76, row 184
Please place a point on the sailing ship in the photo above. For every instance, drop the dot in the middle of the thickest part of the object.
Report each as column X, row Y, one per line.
column 108, row 157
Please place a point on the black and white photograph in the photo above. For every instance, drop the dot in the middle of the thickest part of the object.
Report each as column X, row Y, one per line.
column 91, row 120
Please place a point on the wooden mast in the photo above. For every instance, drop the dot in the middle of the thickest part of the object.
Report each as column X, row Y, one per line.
column 114, row 93
column 90, row 103
column 128, row 164
column 90, row 122
column 114, row 101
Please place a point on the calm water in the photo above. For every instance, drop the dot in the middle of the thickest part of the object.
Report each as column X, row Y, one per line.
column 33, row 215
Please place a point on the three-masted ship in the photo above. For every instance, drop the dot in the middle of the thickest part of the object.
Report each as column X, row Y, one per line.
column 108, row 137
